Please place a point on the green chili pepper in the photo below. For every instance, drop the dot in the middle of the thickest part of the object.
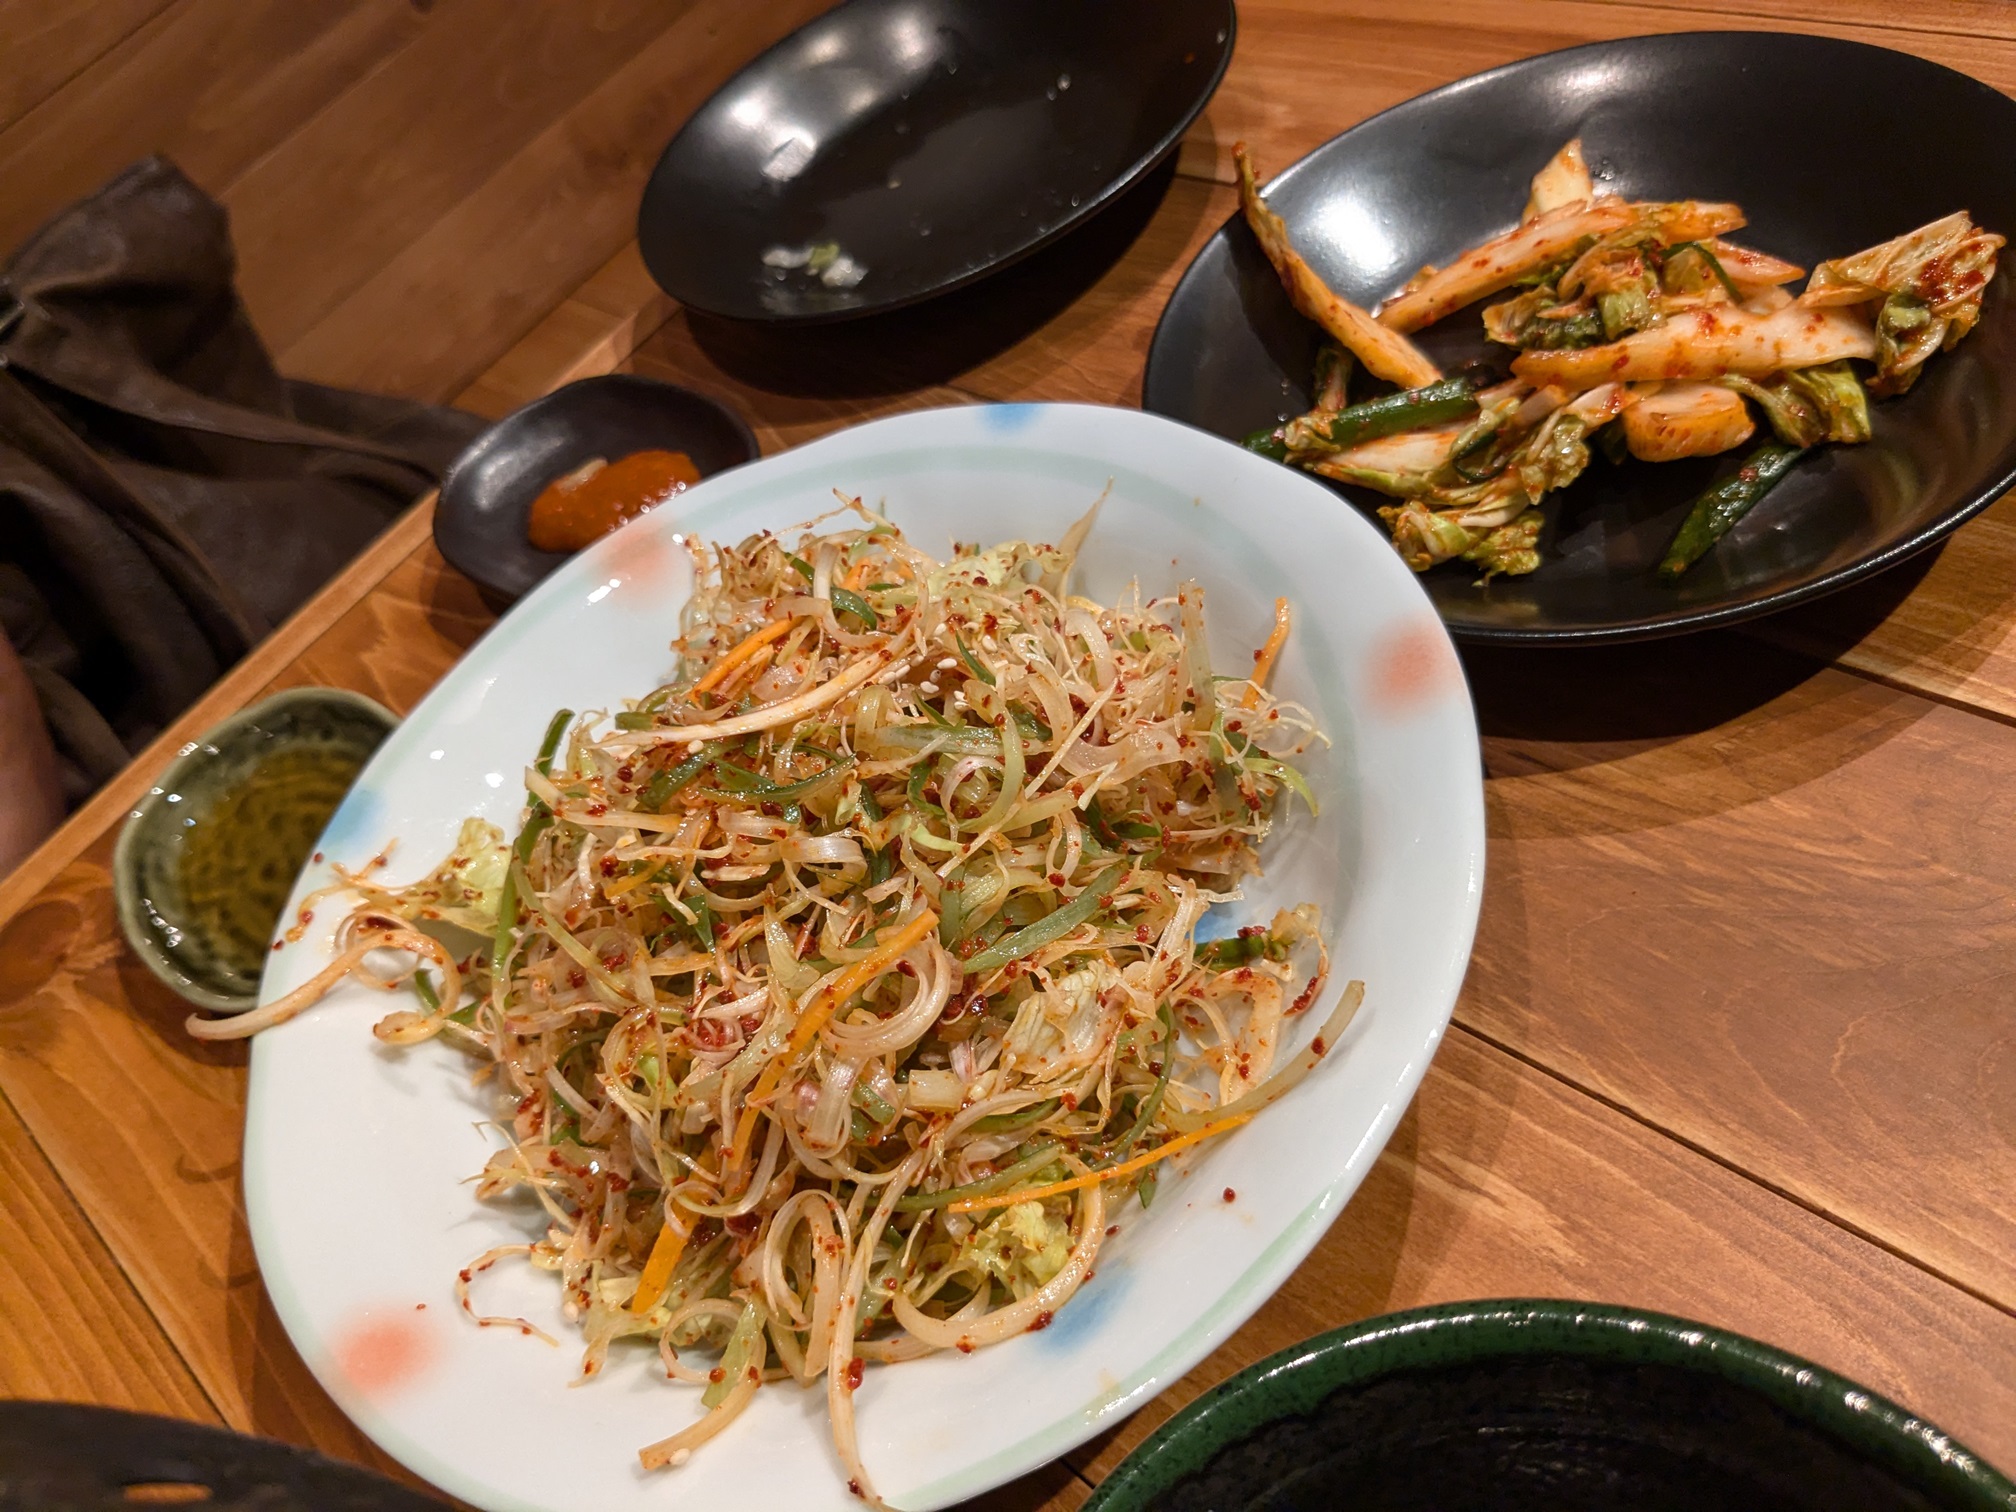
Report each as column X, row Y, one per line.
column 1389, row 414
column 555, row 728
column 1237, row 949
column 918, row 1202
column 634, row 719
column 1001, row 1123
column 868, row 1102
column 661, row 788
column 952, row 908
column 1724, row 504
column 1268, row 443
column 879, row 866
column 1152, row 1104
column 741, row 782
column 1052, row 926
column 847, row 601
column 920, row 774
column 972, row 663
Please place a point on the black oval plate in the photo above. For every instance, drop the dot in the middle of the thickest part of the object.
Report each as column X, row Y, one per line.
column 61, row 1457
column 1829, row 146
column 933, row 141
column 487, row 492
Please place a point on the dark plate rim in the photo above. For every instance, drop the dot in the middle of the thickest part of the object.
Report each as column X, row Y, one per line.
column 476, row 571
column 1684, row 621
column 1116, row 186
column 1295, row 1380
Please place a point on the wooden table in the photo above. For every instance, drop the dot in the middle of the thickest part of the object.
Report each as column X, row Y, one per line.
column 1736, row 1042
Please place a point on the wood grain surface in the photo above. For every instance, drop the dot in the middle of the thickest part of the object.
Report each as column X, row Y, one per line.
column 1735, row 1041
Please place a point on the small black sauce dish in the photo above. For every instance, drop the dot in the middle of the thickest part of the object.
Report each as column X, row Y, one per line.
column 487, row 492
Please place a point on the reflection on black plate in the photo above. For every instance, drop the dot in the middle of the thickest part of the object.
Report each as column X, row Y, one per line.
column 1758, row 118
column 59, row 1457
column 1545, row 1407
column 895, row 149
column 487, row 492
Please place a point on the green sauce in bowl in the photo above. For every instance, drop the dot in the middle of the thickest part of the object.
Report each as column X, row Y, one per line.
column 207, row 860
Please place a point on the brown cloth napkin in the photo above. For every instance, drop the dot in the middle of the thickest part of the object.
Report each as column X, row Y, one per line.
column 166, row 497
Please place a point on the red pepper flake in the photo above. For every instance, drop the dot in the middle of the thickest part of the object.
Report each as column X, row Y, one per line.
column 1112, row 1231
column 1230, row 1195
column 854, row 1486
column 419, row 1307
column 1318, row 1047
column 856, row 1369
column 1041, row 1321
column 1057, row 879
column 278, row 943
column 525, row 1329
column 717, row 1375
column 626, row 774
column 964, row 1346
column 610, row 866
column 317, row 856
column 464, row 1275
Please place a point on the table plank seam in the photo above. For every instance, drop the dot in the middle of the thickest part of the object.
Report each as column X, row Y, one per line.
column 1793, row 646
column 1708, row 1153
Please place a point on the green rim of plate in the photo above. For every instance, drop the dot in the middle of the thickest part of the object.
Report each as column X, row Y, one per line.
column 1298, row 1379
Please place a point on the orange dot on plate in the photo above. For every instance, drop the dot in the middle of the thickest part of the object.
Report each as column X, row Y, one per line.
column 381, row 1353
column 1409, row 665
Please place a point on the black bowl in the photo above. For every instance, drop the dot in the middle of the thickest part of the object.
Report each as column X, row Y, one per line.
column 933, row 141
column 1759, row 118
column 1530, row 1406
column 61, row 1457
column 487, row 492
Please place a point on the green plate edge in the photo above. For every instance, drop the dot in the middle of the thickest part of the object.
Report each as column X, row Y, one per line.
column 1299, row 1378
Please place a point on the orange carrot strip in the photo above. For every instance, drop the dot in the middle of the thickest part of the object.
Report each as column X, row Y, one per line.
column 747, row 673
column 841, row 988
column 1264, row 662
column 665, row 1252
column 1110, row 1173
column 739, row 653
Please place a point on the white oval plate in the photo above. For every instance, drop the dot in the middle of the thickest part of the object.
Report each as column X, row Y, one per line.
column 358, row 1157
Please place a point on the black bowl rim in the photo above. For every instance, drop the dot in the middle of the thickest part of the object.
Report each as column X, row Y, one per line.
column 1296, row 1379
column 1116, row 186
column 1685, row 622
column 474, row 571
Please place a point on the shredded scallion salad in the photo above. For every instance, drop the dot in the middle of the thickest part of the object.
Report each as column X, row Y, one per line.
column 847, row 984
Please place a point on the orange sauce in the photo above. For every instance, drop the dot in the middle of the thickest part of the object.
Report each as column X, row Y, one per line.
column 598, row 496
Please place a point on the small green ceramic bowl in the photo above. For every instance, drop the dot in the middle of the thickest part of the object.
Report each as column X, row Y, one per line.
column 1527, row 1406
column 207, row 859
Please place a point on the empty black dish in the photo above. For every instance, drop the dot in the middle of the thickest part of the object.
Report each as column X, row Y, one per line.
column 1758, row 118
column 60, row 1457
column 1528, row 1406
column 929, row 142
column 487, row 492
